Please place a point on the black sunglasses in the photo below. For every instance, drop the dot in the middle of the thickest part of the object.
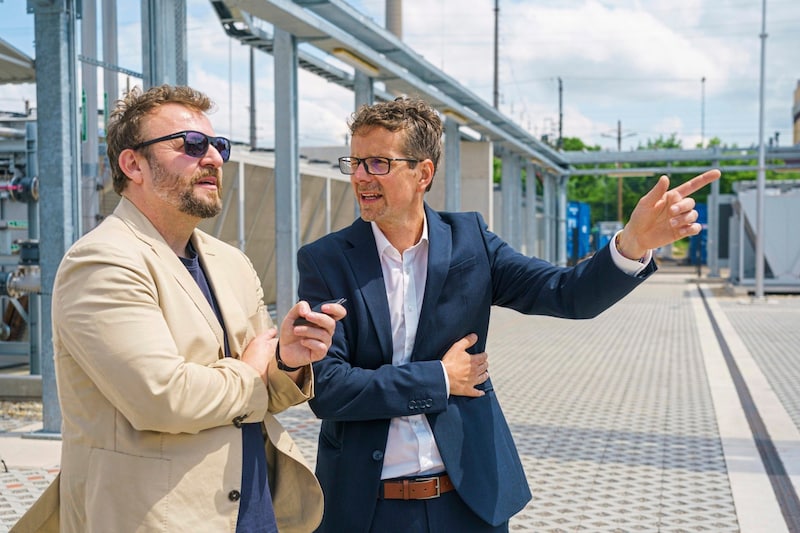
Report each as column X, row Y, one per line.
column 195, row 143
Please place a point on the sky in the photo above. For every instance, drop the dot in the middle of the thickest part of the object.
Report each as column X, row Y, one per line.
column 647, row 69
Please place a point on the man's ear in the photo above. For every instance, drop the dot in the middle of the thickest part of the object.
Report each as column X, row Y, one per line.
column 130, row 162
column 426, row 171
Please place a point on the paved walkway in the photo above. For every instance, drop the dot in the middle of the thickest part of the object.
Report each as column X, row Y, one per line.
column 633, row 421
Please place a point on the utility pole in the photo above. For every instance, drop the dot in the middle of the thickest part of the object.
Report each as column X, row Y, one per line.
column 496, row 54
column 560, row 143
column 702, row 112
column 761, row 177
column 619, row 137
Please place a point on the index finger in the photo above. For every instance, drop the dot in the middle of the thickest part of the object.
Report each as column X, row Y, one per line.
column 697, row 183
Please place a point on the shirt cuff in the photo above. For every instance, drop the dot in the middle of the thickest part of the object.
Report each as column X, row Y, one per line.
column 629, row 266
column 446, row 380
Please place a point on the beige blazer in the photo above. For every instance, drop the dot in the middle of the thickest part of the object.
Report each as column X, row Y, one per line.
column 149, row 402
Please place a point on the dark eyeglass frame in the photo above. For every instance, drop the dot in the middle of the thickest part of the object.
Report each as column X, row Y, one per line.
column 346, row 164
column 191, row 147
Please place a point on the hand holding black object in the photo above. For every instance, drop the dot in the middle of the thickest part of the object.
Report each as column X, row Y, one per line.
column 301, row 321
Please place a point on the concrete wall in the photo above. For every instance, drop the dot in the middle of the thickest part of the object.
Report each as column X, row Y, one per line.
column 476, row 180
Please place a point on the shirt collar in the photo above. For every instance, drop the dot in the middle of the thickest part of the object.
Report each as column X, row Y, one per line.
column 383, row 243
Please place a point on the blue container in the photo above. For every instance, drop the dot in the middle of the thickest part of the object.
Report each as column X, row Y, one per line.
column 698, row 243
column 604, row 231
column 578, row 231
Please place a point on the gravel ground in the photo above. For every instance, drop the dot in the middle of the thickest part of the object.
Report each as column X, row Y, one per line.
column 14, row 414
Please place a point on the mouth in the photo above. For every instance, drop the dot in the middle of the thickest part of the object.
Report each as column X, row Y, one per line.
column 369, row 196
column 208, row 182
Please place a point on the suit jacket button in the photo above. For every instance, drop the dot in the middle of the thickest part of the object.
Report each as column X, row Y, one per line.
column 429, row 403
column 238, row 421
column 377, row 455
column 412, row 404
column 234, row 495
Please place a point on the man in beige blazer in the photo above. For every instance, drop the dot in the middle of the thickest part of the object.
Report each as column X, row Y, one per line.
column 165, row 355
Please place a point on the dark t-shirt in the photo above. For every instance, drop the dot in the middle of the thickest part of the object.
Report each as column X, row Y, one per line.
column 256, row 514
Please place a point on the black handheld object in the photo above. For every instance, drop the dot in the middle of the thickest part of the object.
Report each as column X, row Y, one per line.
column 318, row 309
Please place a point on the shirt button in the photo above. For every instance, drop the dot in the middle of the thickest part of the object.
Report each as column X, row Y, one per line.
column 234, row 495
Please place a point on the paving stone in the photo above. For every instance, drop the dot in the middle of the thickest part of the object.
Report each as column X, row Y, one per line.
column 613, row 417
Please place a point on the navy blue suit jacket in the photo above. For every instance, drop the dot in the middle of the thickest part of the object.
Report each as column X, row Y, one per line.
column 358, row 391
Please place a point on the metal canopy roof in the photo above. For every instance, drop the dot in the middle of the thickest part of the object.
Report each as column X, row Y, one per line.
column 383, row 41
column 242, row 27
column 348, row 45
column 15, row 67
column 336, row 29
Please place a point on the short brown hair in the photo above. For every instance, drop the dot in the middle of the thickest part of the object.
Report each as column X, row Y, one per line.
column 414, row 116
column 125, row 122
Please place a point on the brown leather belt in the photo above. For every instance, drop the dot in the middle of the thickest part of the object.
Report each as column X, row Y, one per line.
column 423, row 488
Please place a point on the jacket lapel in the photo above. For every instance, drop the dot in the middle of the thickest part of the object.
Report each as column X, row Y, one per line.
column 440, row 247
column 230, row 308
column 365, row 264
column 148, row 234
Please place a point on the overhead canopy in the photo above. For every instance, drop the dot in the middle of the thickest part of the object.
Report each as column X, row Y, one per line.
column 15, row 67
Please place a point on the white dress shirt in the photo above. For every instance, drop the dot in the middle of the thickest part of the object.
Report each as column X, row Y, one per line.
column 411, row 448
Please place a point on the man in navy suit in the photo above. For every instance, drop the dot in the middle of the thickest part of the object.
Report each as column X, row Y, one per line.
column 413, row 438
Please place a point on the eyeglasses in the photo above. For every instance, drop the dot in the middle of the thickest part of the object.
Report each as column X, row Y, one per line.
column 374, row 166
column 195, row 143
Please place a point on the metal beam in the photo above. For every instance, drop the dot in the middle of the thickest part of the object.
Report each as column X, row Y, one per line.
column 667, row 169
column 333, row 40
column 790, row 154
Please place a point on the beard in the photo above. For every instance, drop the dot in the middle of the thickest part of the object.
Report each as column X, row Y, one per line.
column 173, row 189
column 198, row 207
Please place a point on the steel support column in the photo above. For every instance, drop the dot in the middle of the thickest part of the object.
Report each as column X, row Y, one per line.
column 287, row 170
column 549, row 200
column 90, row 198
column 110, row 56
column 561, row 230
column 712, row 233
column 532, row 228
column 507, row 193
column 164, row 42
column 363, row 89
column 516, row 202
column 364, row 94
column 34, row 300
column 59, row 175
column 452, row 168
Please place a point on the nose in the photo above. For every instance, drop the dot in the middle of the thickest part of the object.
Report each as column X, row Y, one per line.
column 361, row 173
column 213, row 157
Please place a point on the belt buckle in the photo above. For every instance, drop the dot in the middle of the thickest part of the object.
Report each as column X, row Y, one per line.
column 437, row 479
